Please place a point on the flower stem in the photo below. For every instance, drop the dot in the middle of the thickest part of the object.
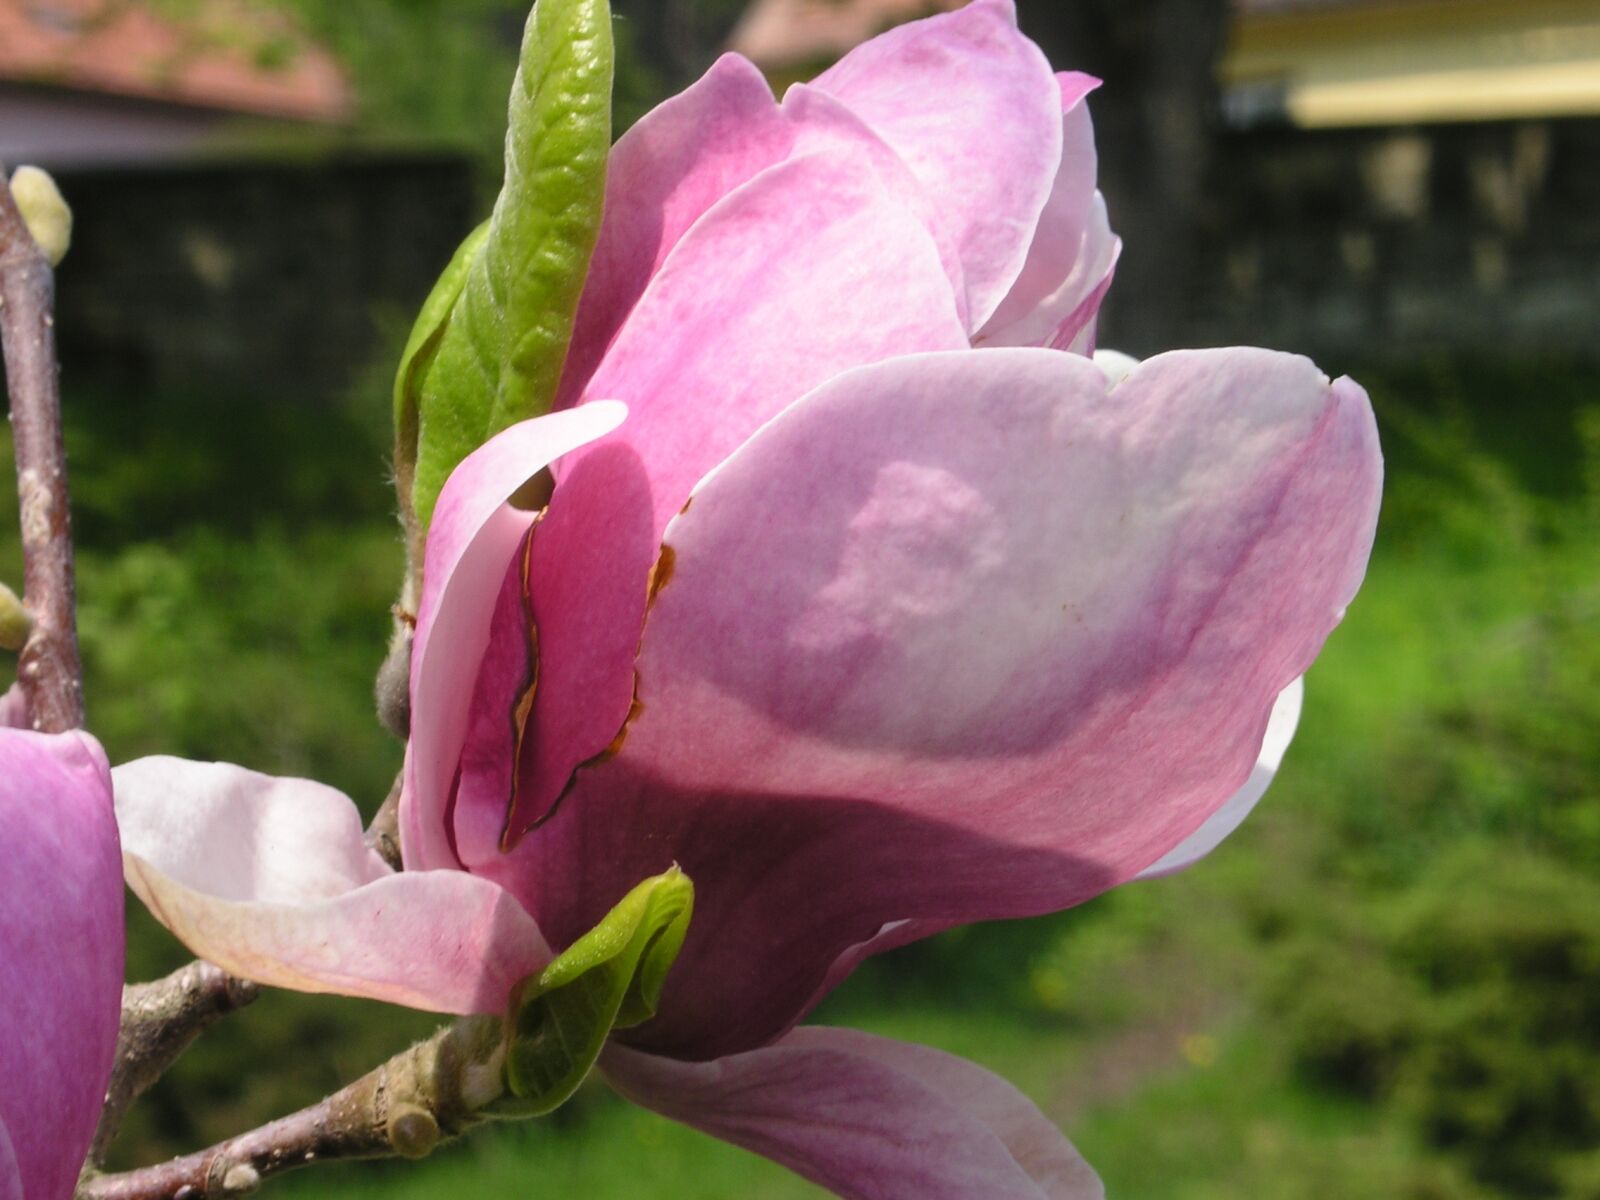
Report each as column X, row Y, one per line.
column 49, row 671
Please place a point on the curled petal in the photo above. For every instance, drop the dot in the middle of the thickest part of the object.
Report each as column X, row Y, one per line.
column 1280, row 732
column 61, row 947
column 1056, row 299
column 965, row 636
column 472, row 541
column 271, row 879
column 974, row 109
column 867, row 1118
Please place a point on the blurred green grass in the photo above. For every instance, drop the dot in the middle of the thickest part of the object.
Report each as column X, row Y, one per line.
column 1387, row 984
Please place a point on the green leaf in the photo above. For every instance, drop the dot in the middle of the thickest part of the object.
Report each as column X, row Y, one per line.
column 418, row 356
column 500, row 353
column 610, row 978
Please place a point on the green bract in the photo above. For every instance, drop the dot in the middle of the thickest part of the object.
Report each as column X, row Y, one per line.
column 489, row 346
column 611, row 978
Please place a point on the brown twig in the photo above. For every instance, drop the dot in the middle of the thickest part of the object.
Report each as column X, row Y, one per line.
column 49, row 670
column 432, row 1092
column 160, row 1021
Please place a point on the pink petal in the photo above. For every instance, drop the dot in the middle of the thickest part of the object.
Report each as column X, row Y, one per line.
column 959, row 638
column 1074, row 252
column 271, row 880
column 664, row 173
column 973, row 108
column 1280, row 732
column 61, row 946
column 473, row 538
column 777, row 289
column 867, row 1118
column 685, row 156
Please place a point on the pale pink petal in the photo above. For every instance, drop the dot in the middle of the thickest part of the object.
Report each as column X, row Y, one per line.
column 1074, row 252
column 271, row 880
column 867, row 1118
column 1280, row 732
column 778, row 288
column 1082, row 293
column 474, row 537
column 960, row 636
column 61, row 944
column 974, row 109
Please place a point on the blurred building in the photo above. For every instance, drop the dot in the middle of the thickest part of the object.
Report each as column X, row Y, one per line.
column 108, row 81
column 233, row 237
column 1322, row 63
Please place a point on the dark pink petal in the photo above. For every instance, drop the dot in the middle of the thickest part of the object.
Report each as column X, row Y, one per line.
column 956, row 638
column 867, row 1118
column 1057, row 297
column 973, row 108
column 780, row 287
column 272, row 880
column 474, row 537
column 61, row 947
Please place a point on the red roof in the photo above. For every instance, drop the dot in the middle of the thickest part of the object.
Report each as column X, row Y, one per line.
column 228, row 56
column 785, row 33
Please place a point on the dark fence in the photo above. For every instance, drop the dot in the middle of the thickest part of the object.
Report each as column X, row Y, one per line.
column 275, row 280
column 1389, row 244
column 252, row 280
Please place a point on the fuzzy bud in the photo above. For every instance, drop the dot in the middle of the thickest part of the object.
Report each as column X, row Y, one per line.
column 15, row 623
column 44, row 210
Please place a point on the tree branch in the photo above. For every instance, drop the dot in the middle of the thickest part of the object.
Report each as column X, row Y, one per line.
column 160, row 1021
column 432, row 1092
column 50, row 672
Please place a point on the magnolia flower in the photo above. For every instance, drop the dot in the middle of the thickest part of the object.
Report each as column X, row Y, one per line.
column 879, row 608
column 60, row 957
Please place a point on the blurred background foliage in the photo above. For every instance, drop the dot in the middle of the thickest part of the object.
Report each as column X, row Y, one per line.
column 1387, row 984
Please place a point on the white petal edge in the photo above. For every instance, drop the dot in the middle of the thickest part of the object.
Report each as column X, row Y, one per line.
column 1281, row 725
